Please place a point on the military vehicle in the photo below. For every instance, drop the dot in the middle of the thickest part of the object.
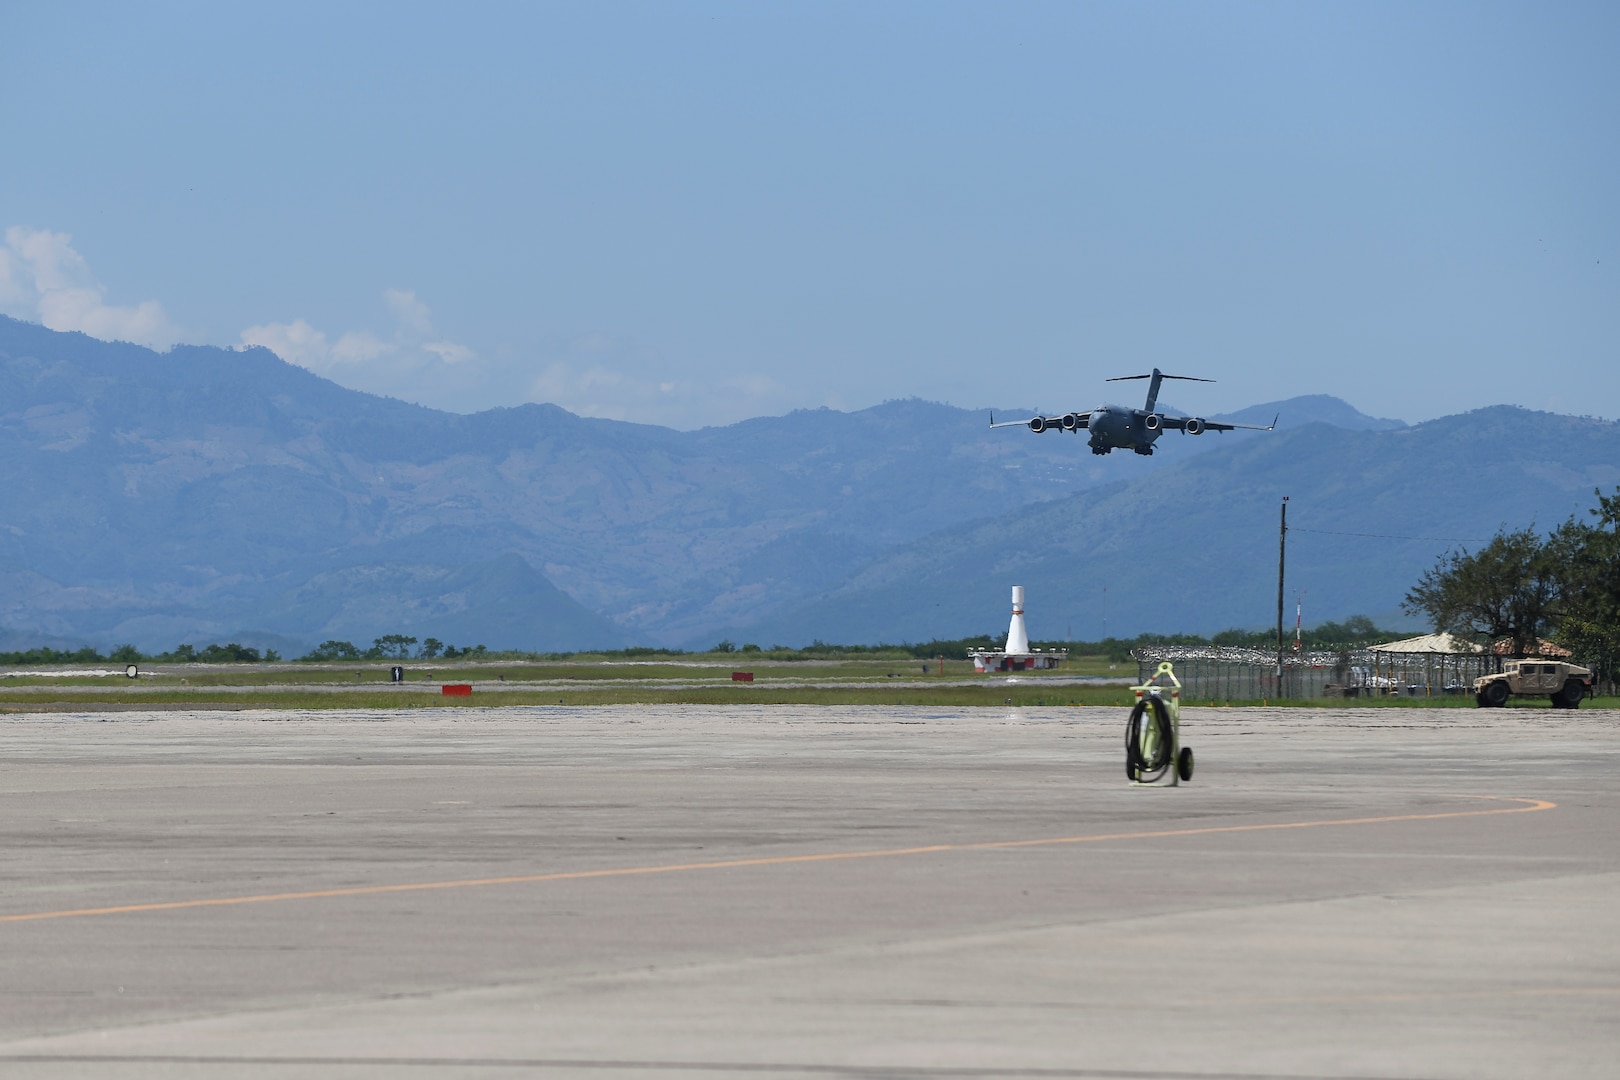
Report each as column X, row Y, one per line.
column 1119, row 427
column 1565, row 683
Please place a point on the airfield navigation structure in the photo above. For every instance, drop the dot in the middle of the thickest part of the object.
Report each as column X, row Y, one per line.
column 1017, row 655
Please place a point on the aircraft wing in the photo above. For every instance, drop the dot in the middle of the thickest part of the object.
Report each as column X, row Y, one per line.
column 1075, row 421
column 1197, row 425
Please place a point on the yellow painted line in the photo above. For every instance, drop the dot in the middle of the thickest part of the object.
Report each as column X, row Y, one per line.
column 1528, row 806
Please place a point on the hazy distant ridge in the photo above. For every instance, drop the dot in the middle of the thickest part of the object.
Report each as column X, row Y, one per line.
column 203, row 491
column 200, row 493
column 1194, row 546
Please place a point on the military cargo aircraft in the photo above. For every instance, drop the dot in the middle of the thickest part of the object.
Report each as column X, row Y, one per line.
column 1119, row 427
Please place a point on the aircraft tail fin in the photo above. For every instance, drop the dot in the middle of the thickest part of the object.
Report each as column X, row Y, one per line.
column 1153, row 388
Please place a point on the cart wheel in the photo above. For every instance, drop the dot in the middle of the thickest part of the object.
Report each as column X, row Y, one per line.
column 1184, row 763
column 1130, row 770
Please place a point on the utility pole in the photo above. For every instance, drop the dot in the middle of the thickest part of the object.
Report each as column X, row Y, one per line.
column 1282, row 556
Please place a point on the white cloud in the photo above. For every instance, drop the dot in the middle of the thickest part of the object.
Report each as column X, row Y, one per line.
column 589, row 391
column 591, row 374
column 357, row 347
column 623, row 388
column 449, row 351
column 360, row 358
column 300, row 343
column 43, row 278
column 412, row 314
column 296, row 342
column 17, row 295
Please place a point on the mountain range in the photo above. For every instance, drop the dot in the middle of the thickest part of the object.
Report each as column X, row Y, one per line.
column 206, row 494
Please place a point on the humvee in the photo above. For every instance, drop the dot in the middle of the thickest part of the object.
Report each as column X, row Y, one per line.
column 1565, row 683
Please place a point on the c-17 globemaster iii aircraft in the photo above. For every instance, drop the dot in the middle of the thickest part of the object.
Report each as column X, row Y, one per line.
column 1116, row 426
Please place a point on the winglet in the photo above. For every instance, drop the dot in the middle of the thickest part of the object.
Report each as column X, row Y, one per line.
column 1274, row 420
column 992, row 418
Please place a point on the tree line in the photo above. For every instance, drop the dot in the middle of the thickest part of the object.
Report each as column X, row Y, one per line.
column 1523, row 588
column 1357, row 631
column 395, row 647
column 129, row 654
column 1354, row 632
column 387, row 647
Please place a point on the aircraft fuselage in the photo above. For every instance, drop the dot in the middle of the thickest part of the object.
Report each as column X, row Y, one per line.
column 1118, row 427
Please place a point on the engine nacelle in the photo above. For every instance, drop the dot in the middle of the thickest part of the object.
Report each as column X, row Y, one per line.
column 1071, row 422
column 1037, row 425
column 1153, row 422
column 1195, row 426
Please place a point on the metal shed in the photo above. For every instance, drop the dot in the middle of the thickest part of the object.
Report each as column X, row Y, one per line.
column 1428, row 665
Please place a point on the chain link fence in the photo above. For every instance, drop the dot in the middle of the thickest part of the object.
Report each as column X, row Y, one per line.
column 1216, row 673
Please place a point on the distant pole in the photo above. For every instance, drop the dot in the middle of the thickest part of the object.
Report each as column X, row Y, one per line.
column 1282, row 558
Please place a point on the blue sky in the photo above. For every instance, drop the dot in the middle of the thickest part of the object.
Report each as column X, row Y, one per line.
column 693, row 213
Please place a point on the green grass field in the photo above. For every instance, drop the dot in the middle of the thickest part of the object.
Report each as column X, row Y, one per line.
column 584, row 680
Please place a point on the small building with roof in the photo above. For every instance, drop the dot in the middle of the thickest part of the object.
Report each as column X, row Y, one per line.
column 1428, row 664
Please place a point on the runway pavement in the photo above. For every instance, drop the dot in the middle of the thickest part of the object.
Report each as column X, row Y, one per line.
column 655, row 892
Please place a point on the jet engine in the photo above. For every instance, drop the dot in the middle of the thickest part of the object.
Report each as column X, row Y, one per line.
column 1153, row 421
column 1037, row 425
column 1195, row 426
column 1070, row 421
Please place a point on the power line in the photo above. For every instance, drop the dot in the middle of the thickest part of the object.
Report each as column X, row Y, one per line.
column 1390, row 536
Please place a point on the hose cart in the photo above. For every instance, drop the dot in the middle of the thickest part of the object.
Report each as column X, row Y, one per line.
column 1153, row 747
